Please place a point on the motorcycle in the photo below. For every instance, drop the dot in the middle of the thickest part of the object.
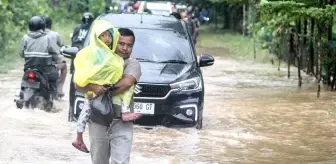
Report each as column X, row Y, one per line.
column 38, row 87
column 76, row 99
column 204, row 19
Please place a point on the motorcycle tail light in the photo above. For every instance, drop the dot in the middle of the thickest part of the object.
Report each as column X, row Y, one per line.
column 31, row 75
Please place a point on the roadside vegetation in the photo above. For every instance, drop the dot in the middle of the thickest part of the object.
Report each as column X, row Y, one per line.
column 300, row 33
column 14, row 17
column 226, row 43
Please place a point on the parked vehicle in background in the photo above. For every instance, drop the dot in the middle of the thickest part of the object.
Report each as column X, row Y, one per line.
column 157, row 7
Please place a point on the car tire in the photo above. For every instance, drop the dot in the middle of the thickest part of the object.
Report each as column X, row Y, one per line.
column 70, row 114
column 71, row 101
column 199, row 124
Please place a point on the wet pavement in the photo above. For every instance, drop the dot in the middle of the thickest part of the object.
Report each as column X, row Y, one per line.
column 253, row 114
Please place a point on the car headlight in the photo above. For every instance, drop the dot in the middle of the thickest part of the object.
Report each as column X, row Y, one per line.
column 188, row 85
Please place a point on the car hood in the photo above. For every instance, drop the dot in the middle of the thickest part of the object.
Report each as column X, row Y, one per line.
column 163, row 73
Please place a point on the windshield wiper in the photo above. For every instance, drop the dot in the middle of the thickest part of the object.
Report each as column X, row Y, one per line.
column 173, row 61
column 166, row 61
column 145, row 60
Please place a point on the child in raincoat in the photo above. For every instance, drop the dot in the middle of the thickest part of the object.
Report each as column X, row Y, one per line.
column 98, row 64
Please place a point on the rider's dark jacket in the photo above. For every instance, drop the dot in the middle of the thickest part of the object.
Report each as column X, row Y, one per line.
column 79, row 35
column 38, row 49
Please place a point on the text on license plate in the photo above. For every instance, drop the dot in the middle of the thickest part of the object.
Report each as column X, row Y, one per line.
column 144, row 108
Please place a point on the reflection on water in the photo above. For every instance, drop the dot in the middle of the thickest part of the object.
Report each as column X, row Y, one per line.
column 253, row 114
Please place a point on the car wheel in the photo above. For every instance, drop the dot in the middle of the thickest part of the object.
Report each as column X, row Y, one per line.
column 70, row 115
column 199, row 124
column 71, row 101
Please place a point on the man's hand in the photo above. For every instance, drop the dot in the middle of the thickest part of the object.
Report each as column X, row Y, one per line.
column 97, row 89
column 130, row 116
column 125, row 83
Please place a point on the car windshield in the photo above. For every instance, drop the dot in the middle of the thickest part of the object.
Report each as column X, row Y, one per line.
column 161, row 46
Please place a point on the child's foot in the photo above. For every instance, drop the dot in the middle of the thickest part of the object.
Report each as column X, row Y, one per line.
column 80, row 146
column 130, row 116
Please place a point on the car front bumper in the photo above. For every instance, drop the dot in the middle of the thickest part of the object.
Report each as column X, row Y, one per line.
column 184, row 106
column 187, row 107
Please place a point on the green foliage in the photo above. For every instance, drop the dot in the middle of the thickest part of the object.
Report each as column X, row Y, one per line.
column 232, row 2
column 15, row 14
column 14, row 17
column 281, row 17
column 97, row 7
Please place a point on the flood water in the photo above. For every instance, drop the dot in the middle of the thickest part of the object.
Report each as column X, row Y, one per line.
column 253, row 114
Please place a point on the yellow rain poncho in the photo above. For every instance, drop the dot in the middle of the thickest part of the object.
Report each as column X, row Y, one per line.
column 98, row 64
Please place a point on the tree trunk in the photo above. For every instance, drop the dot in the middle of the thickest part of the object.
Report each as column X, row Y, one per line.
column 68, row 5
column 254, row 49
column 290, row 53
column 298, row 51
column 311, row 60
column 304, row 45
column 249, row 17
column 232, row 18
column 227, row 16
column 244, row 20
column 216, row 18
column 330, row 52
column 317, row 49
column 319, row 58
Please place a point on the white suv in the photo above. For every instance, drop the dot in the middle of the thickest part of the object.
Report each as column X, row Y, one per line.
column 157, row 7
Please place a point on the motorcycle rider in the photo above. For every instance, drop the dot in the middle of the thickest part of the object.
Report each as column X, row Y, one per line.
column 81, row 31
column 61, row 64
column 146, row 10
column 192, row 26
column 78, row 38
column 38, row 49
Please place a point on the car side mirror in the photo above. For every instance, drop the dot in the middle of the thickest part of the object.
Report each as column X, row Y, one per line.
column 69, row 52
column 206, row 60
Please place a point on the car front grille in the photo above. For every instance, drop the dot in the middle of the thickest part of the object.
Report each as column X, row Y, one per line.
column 150, row 90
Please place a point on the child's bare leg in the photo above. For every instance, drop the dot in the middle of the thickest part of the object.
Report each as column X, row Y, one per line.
column 81, row 123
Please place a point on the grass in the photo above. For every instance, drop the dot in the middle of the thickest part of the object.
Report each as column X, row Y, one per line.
column 12, row 59
column 230, row 44
column 64, row 29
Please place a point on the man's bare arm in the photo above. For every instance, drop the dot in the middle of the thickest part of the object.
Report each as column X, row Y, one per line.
column 81, row 89
column 97, row 89
column 125, row 83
